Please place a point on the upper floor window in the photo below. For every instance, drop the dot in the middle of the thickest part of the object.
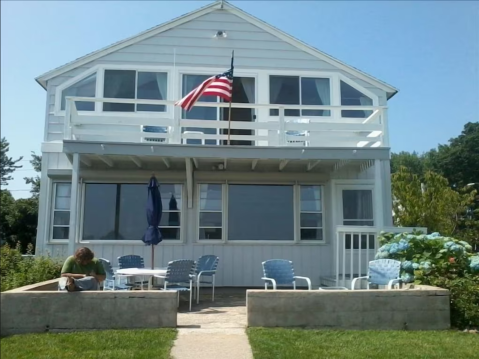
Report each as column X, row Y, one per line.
column 84, row 88
column 352, row 97
column 132, row 84
column 295, row 90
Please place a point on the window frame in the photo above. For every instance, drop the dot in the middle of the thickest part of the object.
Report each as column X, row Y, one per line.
column 299, row 212
column 296, row 215
column 182, row 226
column 100, row 79
column 53, row 210
column 198, row 211
column 333, row 82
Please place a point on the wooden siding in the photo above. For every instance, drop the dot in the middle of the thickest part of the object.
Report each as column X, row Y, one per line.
column 195, row 46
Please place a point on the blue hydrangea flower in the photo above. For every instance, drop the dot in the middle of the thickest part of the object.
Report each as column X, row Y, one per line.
column 449, row 244
column 456, row 248
column 385, row 248
column 415, row 266
column 407, row 278
column 403, row 245
column 425, row 265
column 407, row 265
column 422, row 237
column 466, row 245
column 382, row 255
column 394, row 248
column 474, row 264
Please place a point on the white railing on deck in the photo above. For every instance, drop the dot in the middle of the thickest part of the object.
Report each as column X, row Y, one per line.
column 266, row 130
column 357, row 245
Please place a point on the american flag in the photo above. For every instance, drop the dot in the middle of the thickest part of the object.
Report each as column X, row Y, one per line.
column 220, row 85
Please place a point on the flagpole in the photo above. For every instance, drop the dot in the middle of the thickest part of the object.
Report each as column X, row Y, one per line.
column 231, row 98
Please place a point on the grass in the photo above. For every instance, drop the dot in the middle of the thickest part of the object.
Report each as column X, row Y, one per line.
column 114, row 344
column 298, row 344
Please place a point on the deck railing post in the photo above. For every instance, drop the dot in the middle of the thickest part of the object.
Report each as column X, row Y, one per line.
column 176, row 135
column 282, row 127
column 67, row 119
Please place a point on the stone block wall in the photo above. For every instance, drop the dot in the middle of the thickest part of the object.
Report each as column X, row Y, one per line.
column 423, row 308
column 24, row 310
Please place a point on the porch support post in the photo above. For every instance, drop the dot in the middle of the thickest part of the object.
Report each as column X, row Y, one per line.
column 378, row 195
column 74, row 203
column 189, row 182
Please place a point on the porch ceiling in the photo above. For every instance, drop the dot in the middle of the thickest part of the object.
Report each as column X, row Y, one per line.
column 136, row 152
column 161, row 163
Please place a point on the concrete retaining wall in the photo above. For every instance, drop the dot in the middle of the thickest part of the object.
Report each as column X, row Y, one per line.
column 422, row 308
column 26, row 310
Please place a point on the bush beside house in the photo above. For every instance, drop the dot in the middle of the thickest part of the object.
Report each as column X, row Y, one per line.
column 439, row 261
column 17, row 271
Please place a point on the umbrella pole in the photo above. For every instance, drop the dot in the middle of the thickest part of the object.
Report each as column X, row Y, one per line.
column 152, row 256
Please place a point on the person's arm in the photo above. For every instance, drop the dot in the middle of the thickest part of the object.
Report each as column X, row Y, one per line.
column 99, row 274
column 67, row 269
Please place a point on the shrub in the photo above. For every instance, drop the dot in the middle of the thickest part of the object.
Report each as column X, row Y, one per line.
column 17, row 271
column 440, row 261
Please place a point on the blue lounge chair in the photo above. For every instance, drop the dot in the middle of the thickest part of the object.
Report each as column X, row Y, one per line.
column 206, row 267
column 382, row 272
column 280, row 272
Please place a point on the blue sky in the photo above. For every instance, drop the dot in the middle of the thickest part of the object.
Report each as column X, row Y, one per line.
column 429, row 50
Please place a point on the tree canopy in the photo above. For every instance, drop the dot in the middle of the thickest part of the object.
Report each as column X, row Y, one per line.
column 7, row 164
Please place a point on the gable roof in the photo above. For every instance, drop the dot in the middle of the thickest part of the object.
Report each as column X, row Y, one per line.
column 220, row 4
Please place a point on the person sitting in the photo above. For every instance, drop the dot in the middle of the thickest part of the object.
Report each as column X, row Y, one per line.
column 82, row 271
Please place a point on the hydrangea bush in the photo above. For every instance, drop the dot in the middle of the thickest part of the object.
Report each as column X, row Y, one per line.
column 441, row 261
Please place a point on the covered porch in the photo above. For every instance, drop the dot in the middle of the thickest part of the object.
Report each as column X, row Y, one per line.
column 189, row 168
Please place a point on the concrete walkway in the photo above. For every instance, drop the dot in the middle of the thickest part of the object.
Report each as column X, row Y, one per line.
column 213, row 329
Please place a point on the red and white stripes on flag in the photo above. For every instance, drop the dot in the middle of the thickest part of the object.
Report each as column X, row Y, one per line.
column 219, row 85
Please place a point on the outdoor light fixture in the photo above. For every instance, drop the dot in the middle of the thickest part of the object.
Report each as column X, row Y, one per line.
column 220, row 33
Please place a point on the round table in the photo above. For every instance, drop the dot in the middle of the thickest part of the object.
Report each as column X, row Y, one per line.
column 142, row 272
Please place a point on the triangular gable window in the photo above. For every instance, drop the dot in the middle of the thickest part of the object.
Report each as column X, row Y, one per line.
column 83, row 88
column 352, row 97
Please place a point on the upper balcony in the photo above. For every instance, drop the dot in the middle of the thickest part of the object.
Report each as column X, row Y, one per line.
column 251, row 124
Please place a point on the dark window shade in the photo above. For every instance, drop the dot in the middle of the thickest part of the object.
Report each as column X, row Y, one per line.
column 260, row 212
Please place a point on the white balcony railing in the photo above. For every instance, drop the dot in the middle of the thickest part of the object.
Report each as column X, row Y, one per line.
column 264, row 130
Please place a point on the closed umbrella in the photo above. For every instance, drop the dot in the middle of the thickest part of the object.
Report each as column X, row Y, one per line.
column 153, row 215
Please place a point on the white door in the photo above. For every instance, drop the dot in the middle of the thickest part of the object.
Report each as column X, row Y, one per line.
column 356, row 209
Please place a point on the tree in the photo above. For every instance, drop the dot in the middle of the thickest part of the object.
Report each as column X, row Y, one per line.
column 7, row 164
column 36, row 163
column 22, row 220
column 412, row 161
column 7, row 203
column 430, row 203
column 458, row 161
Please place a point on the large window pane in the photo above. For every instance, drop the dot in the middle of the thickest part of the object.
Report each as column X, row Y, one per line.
column 284, row 90
column 171, row 197
column 119, row 84
column 352, row 97
column 118, row 211
column 197, row 112
column 100, row 211
column 151, row 86
column 132, row 221
column 358, row 207
column 315, row 91
column 260, row 212
column 83, row 88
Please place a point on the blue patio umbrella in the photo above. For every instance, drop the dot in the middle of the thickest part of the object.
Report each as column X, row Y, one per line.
column 154, row 210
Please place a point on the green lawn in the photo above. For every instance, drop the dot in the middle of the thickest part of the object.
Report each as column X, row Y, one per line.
column 298, row 344
column 114, row 344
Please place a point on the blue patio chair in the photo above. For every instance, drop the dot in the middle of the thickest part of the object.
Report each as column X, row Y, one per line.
column 110, row 281
column 132, row 261
column 206, row 267
column 382, row 272
column 280, row 272
column 178, row 274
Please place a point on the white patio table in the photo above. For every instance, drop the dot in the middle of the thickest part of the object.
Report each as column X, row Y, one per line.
column 142, row 272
